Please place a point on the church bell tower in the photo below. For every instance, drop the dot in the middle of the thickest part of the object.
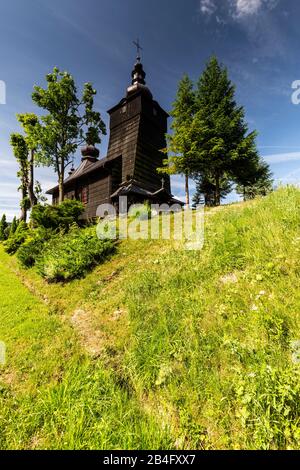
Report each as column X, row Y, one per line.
column 138, row 127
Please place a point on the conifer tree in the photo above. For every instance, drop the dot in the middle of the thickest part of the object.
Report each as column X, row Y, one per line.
column 13, row 226
column 3, row 228
column 179, row 141
column 206, row 188
column 222, row 144
column 257, row 181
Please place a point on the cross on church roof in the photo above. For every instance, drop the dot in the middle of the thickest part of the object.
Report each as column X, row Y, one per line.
column 138, row 48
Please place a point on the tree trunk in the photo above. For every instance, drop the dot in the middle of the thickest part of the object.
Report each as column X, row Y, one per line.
column 61, row 184
column 187, row 190
column 217, row 192
column 32, row 196
column 23, row 216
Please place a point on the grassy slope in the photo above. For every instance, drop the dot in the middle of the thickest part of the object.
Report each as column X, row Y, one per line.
column 162, row 347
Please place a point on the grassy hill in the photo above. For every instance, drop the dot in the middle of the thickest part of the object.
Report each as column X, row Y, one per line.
column 160, row 347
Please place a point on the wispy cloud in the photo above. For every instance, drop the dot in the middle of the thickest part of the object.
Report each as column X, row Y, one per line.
column 282, row 157
column 236, row 9
column 254, row 17
column 207, row 7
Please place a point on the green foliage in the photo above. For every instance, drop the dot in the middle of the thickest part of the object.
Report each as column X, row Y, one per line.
column 223, row 144
column 20, row 149
column 31, row 126
column 13, row 243
column 72, row 255
column 210, row 140
column 180, row 141
column 32, row 248
column 256, row 182
column 3, row 228
column 61, row 216
column 206, row 187
column 69, row 121
column 13, row 226
column 268, row 407
column 32, row 129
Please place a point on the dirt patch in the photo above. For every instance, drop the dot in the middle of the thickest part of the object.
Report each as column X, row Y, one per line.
column 229, row 279
column 93, row 339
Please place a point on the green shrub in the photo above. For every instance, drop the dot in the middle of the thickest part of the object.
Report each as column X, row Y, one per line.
column 57, row 217
column 71, row 255
column 17, row 239
column 268, row 407
column 32, row 248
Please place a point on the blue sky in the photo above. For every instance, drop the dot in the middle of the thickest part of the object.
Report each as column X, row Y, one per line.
column 257, row 40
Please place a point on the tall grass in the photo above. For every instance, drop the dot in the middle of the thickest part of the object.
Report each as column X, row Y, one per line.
column 199, row 348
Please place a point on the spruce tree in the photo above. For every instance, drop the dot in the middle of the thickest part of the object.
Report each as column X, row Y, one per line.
column 3, row 228
column 206, row 188
column 222, row 144
column 13, row 226
column 257, row 181
column 179, row 141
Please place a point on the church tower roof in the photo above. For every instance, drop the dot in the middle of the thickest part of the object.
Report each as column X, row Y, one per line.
column 138, row 75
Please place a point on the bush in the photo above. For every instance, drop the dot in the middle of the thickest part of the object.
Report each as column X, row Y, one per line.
column 57, row 217
column 17, row 239
column 72, row 255
column 32, row 248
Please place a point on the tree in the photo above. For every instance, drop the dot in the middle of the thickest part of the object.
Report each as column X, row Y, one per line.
column 179, row 142
column 222, row 144
column 68, row 123
column 20, row 150
column 13, row 226
column 258, row 182
column 205, row 187
column 31, row 126
column 3, row 228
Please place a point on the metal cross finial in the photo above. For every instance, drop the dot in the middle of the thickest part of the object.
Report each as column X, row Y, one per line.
column 138, row 48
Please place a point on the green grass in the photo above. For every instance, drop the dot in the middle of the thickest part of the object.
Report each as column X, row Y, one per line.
column 162, row 347
column 52, row 395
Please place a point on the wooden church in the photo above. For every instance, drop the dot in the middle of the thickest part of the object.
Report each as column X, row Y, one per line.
column 138, row 126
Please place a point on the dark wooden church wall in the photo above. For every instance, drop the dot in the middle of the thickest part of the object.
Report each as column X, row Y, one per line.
column 152, row 140
column 123, row 141
column 99, row 193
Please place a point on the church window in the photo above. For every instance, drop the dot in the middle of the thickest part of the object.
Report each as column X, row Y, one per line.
column 154, row 111
column 84, row 195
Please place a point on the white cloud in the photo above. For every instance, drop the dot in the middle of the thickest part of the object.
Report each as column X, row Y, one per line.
column 247, row 7
column 251, row 16
column 283, row 157
column 236, row 9
column 207, row 7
